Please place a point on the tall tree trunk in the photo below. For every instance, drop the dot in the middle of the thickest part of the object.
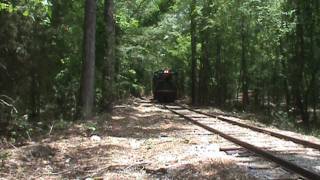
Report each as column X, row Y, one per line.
column 284, row 69
column 205, row 56
column 35, row 95
column 315, row 44
column 313, row 90
column 109, row 62
column 204, row 72
column 243, row 66
column 219, row 92
column 193, row 51
column 298, row 85
column 286, row 85
column 88, row 66
column 313, row 83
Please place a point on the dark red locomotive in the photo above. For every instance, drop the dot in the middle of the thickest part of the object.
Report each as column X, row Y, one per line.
column 165, row 86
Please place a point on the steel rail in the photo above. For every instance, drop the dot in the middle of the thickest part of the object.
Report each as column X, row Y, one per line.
column 275, row 134
column 284, row 163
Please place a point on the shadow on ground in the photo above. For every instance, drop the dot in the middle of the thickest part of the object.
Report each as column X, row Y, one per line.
column 131, row 140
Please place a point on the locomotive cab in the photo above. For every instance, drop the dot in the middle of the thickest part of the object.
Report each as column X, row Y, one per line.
column 165, row 86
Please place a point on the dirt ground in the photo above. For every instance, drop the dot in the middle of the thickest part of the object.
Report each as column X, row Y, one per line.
column 138, row 141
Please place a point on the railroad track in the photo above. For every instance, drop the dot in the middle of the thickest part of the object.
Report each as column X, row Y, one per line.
column 296, row 155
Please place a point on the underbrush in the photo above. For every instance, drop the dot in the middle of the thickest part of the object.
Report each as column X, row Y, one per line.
column 278, row 117
column 20, row 129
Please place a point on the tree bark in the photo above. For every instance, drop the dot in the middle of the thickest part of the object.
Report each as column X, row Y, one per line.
column 244, row 68
column 298, row 85
column 218, row 69
column 193, row 52
column 35, row 95
column 316, row 40
column 204, row 72
column 109, row 61
column 285, row 79
column 312, row 8
column 88, row 66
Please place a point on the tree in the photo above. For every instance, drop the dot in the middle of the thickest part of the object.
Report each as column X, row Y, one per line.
column 268, row 51
column 109, row 61
column 193, row 51
column 204, row 70
column 88, row 66
column 243, row 65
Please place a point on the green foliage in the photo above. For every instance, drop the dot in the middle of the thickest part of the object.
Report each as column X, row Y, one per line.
column 3, row 157
column 41, row 52
column 7, row 6
column 61, row 124
column 91, row 127
column 40, row 59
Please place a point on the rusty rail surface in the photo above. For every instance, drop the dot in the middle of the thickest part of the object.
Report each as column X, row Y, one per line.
column 268, row 155
column 257, row 129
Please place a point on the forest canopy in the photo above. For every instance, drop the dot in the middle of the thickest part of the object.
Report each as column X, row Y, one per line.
column 243, row 54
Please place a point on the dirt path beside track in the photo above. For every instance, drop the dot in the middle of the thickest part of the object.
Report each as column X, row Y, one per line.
column 138, row 141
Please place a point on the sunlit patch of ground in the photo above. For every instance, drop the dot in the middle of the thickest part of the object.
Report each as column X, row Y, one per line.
column 138, row 141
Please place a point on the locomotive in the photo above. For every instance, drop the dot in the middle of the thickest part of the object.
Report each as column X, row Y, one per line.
column 165, row 85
